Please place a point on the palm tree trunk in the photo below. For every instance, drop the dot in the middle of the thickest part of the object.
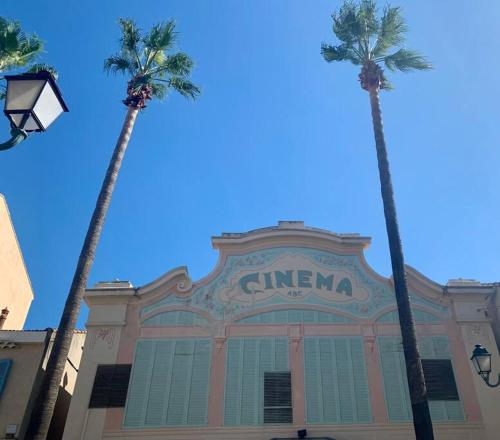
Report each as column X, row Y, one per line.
column 418, row 393
column 42, row 413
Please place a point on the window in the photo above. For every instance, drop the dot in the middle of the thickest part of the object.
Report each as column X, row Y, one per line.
column 277, row 397
column 444, row 403
column 439, row 379
column 335, row 380
column 110, row 386
column 248, row 362
column 4, row 372
column 169, row 383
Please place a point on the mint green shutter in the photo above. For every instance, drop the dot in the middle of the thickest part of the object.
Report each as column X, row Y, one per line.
column 137, row 396
column 266, row 363
column 250, row 383
column 169, row 383
column 313, row 382
column 335, row 379
column 452, row 410
column 234, row 371
column 160, row 384
column 343, row 374
column 200, row 378
column 360, row 381
column 396, row 385
column 328, row 383
column 246, row 361
column 181, row 379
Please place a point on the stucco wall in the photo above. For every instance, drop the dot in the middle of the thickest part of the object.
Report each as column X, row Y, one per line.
column 26, row 360
column 26, row 373
column 101, row 347
column 15, row 287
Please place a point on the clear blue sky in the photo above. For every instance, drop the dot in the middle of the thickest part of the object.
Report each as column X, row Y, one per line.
column 278, row 134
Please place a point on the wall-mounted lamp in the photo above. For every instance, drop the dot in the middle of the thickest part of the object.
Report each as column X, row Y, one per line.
column 481, row 359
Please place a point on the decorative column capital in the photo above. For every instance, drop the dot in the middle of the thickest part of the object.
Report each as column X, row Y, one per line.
column 219, row 342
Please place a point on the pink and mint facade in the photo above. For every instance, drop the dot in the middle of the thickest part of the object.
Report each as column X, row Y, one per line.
column 292, row 329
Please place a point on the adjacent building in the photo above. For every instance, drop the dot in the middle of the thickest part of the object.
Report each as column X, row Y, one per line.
column 24, row 353
column 291, row 330
column 23, row 358
column 15, row 287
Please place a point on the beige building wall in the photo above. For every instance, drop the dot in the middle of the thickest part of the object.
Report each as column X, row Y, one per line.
column 101, row 347
column 15, row 287
column 471, row 309
column 26, row 359
column 29, row 351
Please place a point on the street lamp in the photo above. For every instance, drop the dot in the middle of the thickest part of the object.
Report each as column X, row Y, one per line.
column 32, row 103
column 481, row 359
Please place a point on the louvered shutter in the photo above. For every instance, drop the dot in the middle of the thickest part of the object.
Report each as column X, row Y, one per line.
column 336, row 384
column 277, row 397
column 360, row 381
column 161, row 374
column 110, row 386
column 5, row 365
column 234, row 370
column 431, row 348
column 137, row 399
column 200, row 378
column 181, row 377
column 247, row 361
column 439, row 379
column 169, row 384
column 395, row 384
column 250, row 383
column 313, row 382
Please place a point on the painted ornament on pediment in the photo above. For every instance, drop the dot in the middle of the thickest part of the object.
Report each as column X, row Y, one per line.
column 281, row 276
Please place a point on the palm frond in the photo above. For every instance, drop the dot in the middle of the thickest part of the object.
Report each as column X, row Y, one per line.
column 131, row 34
column 39, row 67
column 16, row 48
column 183, row 86
column 130, row 38
column 406, row 60
column 392, row 31
column 120, row 64
column 367, row 18
column 159, row 91
column 178, row 64
column 339, row 53
column 161, row 36
column 346, row 26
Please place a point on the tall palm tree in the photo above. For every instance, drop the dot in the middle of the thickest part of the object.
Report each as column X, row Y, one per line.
column 367, row 41
column 152, row 72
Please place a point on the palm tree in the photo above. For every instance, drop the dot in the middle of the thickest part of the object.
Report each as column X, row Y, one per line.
column 16, row 48
column 152, row 72
column 367, row 41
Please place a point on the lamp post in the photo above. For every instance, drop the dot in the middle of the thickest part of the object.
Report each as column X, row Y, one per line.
column 481, row 359
column 32, row 103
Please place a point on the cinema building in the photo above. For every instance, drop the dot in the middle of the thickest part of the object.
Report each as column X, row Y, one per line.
column 291, row 330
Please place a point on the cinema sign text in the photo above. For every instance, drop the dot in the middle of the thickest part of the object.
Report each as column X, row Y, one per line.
column 293, row 277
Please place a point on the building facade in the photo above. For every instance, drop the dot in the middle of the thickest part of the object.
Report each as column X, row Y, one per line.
column 291, row 330
column 23, row 358
column 24, row 353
